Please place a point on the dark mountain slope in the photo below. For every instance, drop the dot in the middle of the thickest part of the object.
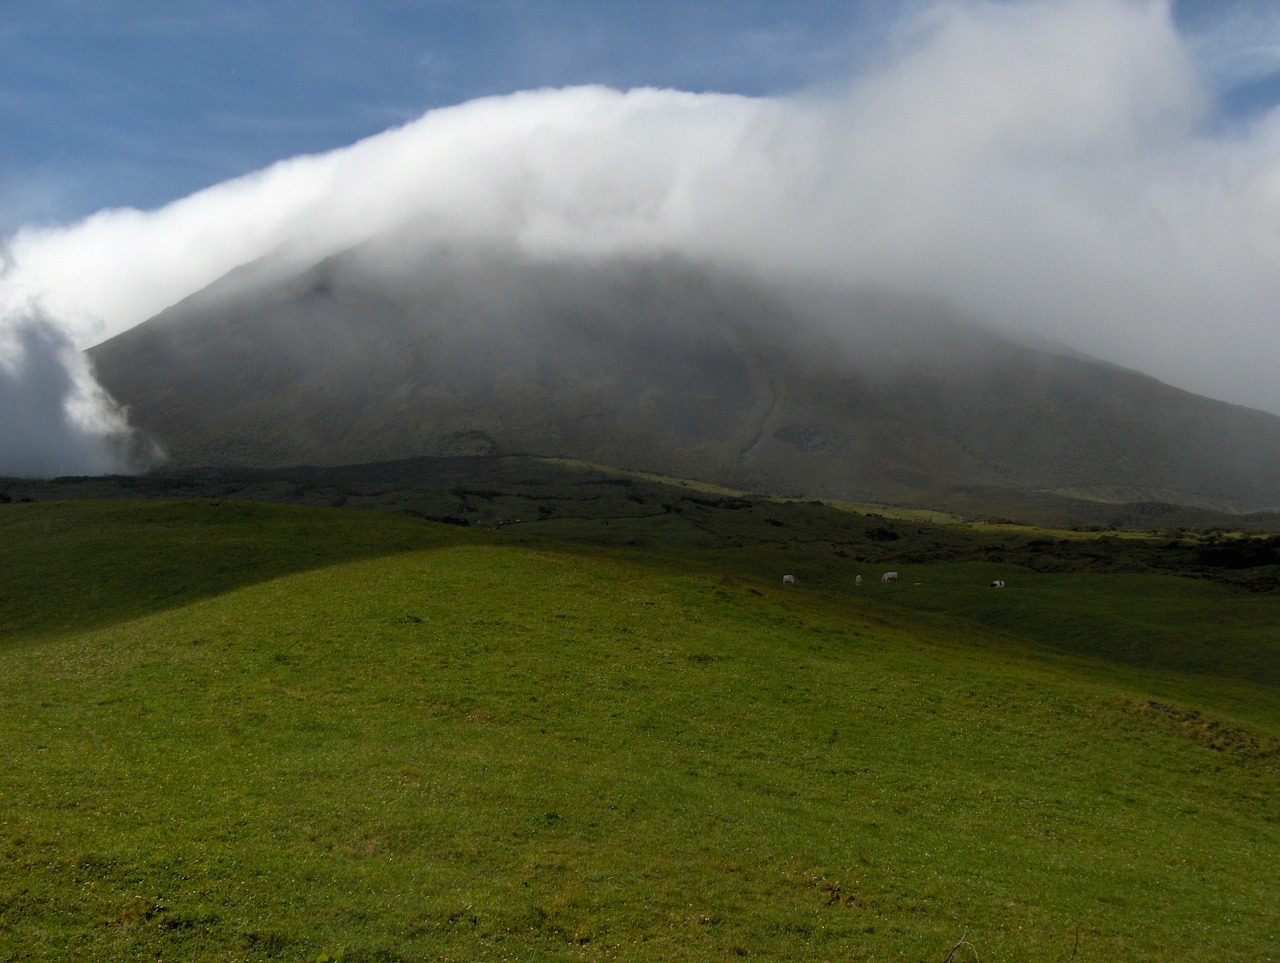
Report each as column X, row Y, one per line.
column 660, row 365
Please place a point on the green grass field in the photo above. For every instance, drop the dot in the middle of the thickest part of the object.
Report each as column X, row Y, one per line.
column 250, row 732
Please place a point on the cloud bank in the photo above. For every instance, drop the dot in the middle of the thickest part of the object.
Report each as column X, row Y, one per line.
column 1051, row 169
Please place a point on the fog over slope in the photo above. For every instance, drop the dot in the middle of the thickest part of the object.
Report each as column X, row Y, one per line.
column 1050, row 169
column 667, row 365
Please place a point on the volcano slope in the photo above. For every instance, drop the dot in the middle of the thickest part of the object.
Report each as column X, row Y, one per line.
column 662, row 365
column 270, row 732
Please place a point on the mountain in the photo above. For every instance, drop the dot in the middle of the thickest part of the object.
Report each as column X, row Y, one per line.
column 664, row 365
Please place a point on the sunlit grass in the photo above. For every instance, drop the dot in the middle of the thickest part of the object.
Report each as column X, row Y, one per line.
column 488, row 749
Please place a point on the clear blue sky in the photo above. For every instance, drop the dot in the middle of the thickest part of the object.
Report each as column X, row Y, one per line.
column 108, row 103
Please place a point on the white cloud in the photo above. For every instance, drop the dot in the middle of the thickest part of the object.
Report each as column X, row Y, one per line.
column 1041, row 165
column 55, row 419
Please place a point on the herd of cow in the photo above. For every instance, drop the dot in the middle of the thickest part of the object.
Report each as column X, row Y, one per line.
column 886, row 577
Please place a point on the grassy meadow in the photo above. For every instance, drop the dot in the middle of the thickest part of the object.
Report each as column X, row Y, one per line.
column 238, row 731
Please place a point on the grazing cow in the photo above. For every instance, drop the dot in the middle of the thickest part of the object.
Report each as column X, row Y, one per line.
column 857, row 580
column 788, row 580
column 998, row 583
column 889, row 577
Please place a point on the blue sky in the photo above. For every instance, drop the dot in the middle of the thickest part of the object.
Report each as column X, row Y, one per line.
column 107, row 103
column 135, row 102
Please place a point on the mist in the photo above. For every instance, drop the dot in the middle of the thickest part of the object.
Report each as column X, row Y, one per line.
column 1053, row 170
column 54, row 418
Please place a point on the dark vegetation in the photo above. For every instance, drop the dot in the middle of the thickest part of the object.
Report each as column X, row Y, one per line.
column 573, row 501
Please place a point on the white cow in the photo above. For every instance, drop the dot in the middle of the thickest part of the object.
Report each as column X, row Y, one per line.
column 998, row 583
column 889, row 577
column 857, row 580
column 788, row 580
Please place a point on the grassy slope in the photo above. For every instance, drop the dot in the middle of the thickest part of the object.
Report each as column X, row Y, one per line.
column 281, row 732
column 77, row 565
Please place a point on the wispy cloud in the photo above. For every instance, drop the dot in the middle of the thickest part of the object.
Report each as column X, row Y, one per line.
column 54, row 419
column 1237, row 42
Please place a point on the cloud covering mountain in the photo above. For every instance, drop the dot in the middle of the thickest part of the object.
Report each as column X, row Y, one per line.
column 666, row 365
column 1054, row 170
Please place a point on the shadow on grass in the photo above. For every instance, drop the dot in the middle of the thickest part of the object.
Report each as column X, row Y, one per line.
column 73, row 566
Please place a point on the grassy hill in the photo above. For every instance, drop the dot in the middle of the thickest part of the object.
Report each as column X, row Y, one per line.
column 264, row 732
